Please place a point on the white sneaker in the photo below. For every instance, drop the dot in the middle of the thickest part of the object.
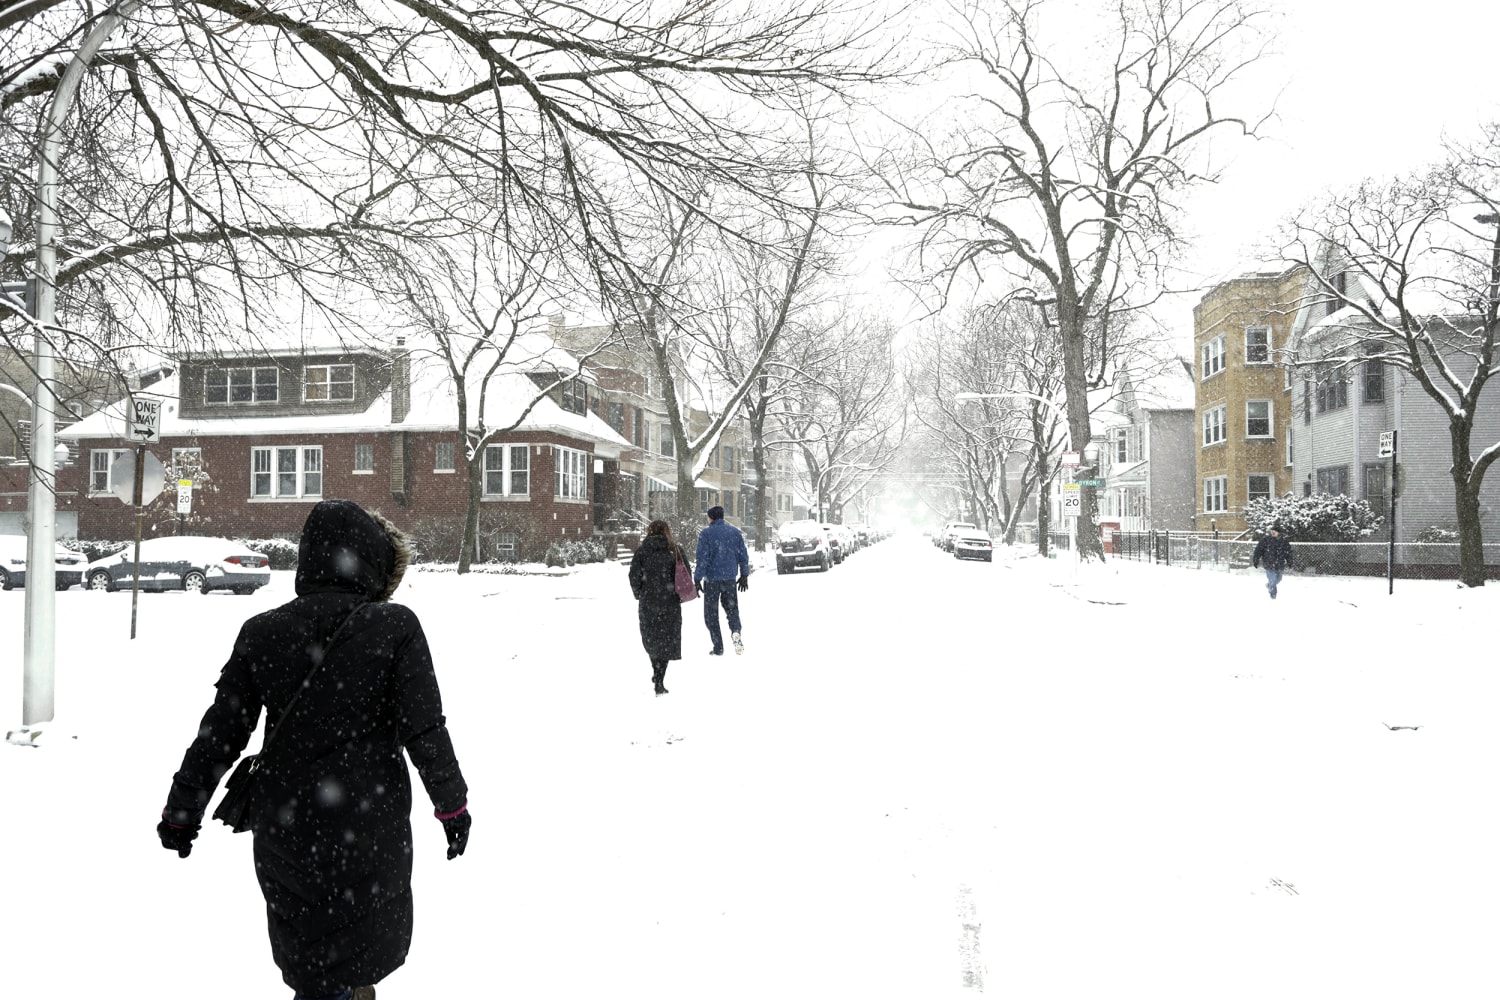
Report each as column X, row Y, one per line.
column 739, row 647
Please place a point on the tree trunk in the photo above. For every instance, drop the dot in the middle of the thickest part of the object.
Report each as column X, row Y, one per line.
column 1075, row 386
column 471, row 512
column 1466, row 502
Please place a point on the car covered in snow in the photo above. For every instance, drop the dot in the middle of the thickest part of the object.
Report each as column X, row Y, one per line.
column 802, row 543
column 67, row 565
column 186, row 562
column 973, row 543
column 944, row 539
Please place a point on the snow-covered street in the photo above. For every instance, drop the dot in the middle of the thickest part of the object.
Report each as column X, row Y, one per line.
column 923, row 778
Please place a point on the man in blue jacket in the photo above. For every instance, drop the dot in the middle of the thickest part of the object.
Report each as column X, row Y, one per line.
column 721, row 555
column 1277, row 553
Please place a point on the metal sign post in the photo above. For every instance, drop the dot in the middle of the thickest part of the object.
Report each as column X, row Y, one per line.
column 1388, row 448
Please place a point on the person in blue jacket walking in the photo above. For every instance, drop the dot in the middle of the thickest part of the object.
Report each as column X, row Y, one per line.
column 721, row 557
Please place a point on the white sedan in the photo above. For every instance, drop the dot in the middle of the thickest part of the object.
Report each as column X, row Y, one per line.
column 186, row 562
column 66, row 564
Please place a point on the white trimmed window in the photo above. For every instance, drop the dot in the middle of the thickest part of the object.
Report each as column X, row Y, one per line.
column 442, row 457
column 1334, row 480
column 228, row 386
column 364, row 458
column 1213, row 425
column 327, row 383
column 1258, row 488
column 665, row 443
column 1215, row 495
column 1258, row 418
column 507, row 470
column 1290, row 451
column 287, row 473
column 1257, row 345
column 570, row 478
column 100, row 459
column 507, row 545
column 1213, row 358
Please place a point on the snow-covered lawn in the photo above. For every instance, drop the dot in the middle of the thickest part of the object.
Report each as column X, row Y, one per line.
column 1127, row 780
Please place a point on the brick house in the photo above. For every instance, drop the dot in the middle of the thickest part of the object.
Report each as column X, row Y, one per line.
column 1241, row 331
column 264, row 435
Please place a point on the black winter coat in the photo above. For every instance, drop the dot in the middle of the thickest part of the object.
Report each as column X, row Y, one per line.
column 331, row 807
column 653, row 580
column 1277, row 552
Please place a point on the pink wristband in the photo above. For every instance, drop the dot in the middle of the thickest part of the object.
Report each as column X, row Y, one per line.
column 457, row 812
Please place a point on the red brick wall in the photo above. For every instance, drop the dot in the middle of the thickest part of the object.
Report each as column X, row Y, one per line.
column 224, row 506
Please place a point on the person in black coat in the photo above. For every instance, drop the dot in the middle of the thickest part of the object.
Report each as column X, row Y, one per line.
column 1276, row 551
column 653, row 580
column 330, row 808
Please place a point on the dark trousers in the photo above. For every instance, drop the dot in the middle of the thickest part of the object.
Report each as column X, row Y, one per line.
column 658, row 673
column 716, row 592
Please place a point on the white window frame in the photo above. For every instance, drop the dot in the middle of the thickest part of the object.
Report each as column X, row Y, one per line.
column 306, row 472
column 1211, row 358
column 1214, row 425
column 335, row 389
column 1216, row 495
column 439, row 448
column 570, row 473
column 97, row 486
column 361, row 450
column 1250, row 492
column 1290, row 451
column 513, row 472
column 1270, row 419
column 255, row 386
column 1266, row 332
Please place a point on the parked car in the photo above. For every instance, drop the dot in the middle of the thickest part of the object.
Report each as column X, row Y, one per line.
column 187, row 562
column 945, row 539
column 67, row 565
column 837, row 542
column 973, row 544
column 802, row 543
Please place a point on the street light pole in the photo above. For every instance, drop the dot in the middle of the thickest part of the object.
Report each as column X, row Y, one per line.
column 41, row 625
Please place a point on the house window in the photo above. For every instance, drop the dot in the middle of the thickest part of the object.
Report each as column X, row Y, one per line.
column 1122, row 447
column 667, row 445
column 1332, row 391
column 1257, row 345
column 573, row 396
column 507, row 545
column 617, row 416
column 1374, row 382
column 1258, row 488
column 291, row 472
column 442, row 456
column 364, row 458
column 1258, row 418
column 1213, row 358
column 1215, row 497
column 1307, row 400
column 570, row 478
column 1375, row 479
column 705, row 500
column 1289, row 451
column 328, row 383
column 729, row 458
column 187, row 463
column 1334, row 479
column 222, row 386
column 1213, row 425
column 729, row 505
column 99, row 462
column 640, row 433
column 507, row 470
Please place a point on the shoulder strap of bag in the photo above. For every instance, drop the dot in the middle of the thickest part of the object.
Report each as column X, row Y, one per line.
column 317, row 662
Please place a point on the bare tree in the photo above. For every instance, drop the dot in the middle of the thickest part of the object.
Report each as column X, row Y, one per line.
column 1410, row 270
column 1071, row 148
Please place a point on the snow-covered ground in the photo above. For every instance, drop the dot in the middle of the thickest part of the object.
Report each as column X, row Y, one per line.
column 923, row 779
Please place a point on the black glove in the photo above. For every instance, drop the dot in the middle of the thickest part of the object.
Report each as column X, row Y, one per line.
column 456, row 829
column 744, row 584
column 177, row 838
column 698, row 586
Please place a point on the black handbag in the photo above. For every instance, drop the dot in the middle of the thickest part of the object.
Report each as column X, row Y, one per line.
column 234, row 807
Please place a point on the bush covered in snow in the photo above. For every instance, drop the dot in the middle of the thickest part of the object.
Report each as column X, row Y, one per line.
column 571, row 553
column 1437, row 534
column 1322, row 517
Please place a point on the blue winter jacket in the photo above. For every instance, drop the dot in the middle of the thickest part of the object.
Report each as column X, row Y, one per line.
column 721, row 553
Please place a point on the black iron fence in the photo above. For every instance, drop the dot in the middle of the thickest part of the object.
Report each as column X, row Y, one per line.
column 1196, row 550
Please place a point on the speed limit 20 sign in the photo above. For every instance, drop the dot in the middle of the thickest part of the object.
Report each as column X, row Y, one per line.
column 1072, row 500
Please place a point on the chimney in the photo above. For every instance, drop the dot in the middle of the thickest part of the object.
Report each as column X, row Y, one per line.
column 400, row 381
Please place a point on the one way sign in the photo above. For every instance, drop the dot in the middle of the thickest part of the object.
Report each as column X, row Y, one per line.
column 145, row 420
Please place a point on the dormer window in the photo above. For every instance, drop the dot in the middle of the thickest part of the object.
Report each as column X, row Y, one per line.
column 328, row 383
column 233, row 386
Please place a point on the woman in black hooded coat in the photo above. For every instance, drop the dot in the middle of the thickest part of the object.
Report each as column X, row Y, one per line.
column 330, row 808
column 653, row 580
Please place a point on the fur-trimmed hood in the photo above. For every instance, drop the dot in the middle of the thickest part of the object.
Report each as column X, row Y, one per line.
column 345, row 547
